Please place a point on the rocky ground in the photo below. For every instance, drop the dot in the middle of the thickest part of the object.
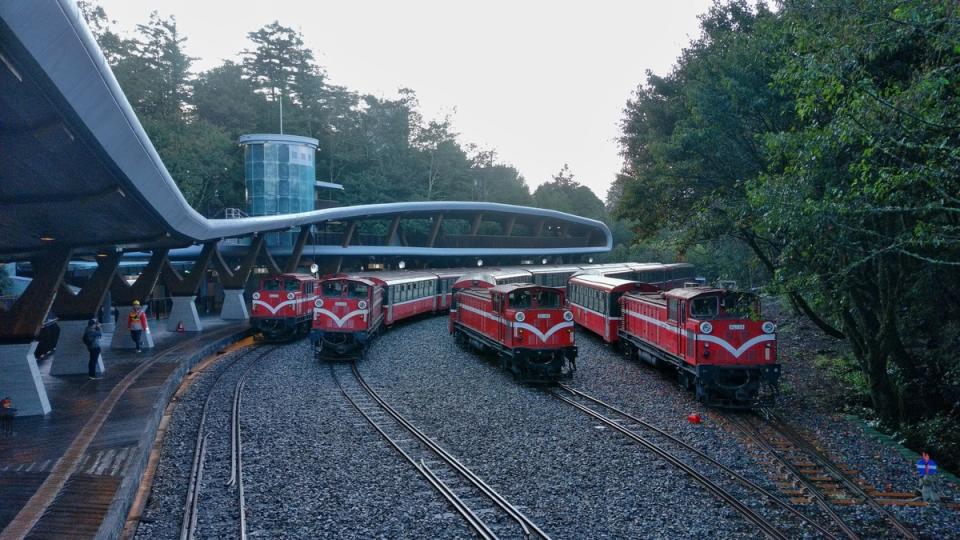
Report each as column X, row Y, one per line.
column 314, row 468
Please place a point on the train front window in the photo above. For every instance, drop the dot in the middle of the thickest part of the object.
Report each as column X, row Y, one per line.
column 357, row 290
column 739, row 305
column 271, row 285
column 704, row 307
column 332, row 289
column 519, row 300
column 291, row 285
column 548, row 299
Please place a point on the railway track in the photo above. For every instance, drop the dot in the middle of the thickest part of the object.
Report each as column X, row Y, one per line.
column 630, row 426
column 822, row 481
column 487, row 512
column 191, row 510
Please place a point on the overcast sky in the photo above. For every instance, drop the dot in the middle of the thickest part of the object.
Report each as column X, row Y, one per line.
column 541, row 82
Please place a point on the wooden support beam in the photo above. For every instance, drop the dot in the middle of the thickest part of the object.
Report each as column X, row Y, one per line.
column 392, row 233
column 435, row 231
column 508, row 228
column 294, row 261
column 124, row 295
column 24, row 320
column 475, row 226
column 178, row 285
column 348, row 236
column 237, row 279
column 84, row 304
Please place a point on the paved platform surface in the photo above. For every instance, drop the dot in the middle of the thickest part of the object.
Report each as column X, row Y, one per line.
column 74, row 472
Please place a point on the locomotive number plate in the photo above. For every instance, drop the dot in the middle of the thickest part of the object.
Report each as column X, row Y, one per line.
column 274, row 296
column 543, row 316
column 341, row 303
column 737, row 327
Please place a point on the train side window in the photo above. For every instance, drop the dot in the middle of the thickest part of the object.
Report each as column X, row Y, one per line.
column 705, row 307
column 672, row 308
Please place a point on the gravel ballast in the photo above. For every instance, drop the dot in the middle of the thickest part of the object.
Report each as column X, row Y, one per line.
column 313, row 467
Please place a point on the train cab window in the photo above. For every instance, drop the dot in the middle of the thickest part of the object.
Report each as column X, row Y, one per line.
column 519, row 300
column 548, row 299
column 308, row 288
column 704, row 307
column 739, row 305
column 672, row 308
column 357, row 290
column 332, row 289
column 271, row 285
column 291, row 285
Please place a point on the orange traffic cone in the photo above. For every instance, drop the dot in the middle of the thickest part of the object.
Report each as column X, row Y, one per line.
column 180, row 326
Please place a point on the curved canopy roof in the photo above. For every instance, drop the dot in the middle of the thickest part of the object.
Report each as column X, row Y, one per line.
column 77, row 168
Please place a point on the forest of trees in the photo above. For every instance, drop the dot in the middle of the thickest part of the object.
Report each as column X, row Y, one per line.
column 380, row 150
column 823, row 139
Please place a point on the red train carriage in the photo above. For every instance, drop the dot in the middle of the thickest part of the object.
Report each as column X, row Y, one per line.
column 283, row 306
column 492, row 277
column 526, row 325
column 347, row 313
column 552, row 275
column 595, row 302
column 445, row 280
column 712, row 337
column 406, row 294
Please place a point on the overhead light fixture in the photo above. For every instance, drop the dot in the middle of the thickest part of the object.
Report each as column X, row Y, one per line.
column 314, row 268
column 401, row 265
column 47, row 238
column 479, row 262
column 101, row 255
column 590, row 260
column 544, row 261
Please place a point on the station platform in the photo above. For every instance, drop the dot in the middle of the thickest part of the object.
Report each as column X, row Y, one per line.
column 74, row 472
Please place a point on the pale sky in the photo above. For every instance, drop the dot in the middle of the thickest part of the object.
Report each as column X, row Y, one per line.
column 541, row 82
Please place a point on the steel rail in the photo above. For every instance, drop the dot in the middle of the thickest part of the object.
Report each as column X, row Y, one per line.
column 528, row 526
column 191, row 507
column 762, row 523
column 694, row 450
column 751, row 432
column 461, row 507
column 787, row 431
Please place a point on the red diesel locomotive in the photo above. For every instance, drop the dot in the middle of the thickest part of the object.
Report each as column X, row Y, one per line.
column 526, row 325
column 346, row 316
column 713, row 337
column 283, row 306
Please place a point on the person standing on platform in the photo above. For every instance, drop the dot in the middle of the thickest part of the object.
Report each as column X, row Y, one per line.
column 137, row 323
column 6, row 415
column 91, row 338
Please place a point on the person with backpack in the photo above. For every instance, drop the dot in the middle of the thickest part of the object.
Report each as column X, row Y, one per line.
column 91, row 338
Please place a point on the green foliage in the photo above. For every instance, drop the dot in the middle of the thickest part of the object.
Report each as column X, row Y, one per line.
column 825, row 137
column 381, row 150
column 567, row 195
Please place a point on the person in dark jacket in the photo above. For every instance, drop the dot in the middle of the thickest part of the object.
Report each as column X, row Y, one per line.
column 91, row 338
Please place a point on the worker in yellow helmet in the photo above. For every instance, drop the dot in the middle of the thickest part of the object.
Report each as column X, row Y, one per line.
column 137, row 323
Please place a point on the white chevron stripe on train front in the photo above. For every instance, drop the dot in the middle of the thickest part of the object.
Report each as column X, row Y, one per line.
column 340, row 322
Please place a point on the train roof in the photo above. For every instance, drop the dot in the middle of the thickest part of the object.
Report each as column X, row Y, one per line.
column 350, row 277
column 552, row 269
column 397, row 278
column 510, row 287
column 292, row 275
column 611, row 284
column 692, row 292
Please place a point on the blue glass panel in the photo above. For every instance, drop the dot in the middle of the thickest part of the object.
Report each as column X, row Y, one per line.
column 283, row 171
column 284, row 205
column 283, row 154
column 270, row 152
column 269, row 206
column 283, row 188
column 257, row 206
column 256, row 187
column 257, row 151
column 257, row 172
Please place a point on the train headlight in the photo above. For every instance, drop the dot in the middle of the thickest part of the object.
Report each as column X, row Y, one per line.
column 568, row 316
column 318, row 302
column 520, row 317
column 706, row 327
column 256, row 296
column 290, row 296
column 768, row 327
column 362, row 304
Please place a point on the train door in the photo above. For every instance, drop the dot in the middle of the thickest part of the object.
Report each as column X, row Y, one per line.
column 499, row 305
column 681, row 326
